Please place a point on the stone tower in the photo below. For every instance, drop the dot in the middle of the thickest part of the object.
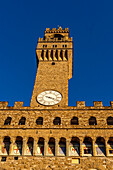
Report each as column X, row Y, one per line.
column 54, row 55
column 49, row 134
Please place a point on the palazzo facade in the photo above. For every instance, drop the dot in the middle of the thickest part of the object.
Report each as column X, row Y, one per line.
column 49, row 134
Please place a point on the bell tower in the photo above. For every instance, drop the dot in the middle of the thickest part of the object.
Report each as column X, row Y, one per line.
column 54, row 55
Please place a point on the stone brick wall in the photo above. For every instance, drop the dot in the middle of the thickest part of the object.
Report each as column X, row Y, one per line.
column 64, row 130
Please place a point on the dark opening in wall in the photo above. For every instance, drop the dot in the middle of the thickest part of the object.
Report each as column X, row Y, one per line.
column 53, row 63
column 7, row 143
column 74, row 121
column 110, row 120
column 3, row 159
column 16, row 158
column 57, row 121
column 22, row 121
column 39, row 121
column 92, row 121
column 7, row 121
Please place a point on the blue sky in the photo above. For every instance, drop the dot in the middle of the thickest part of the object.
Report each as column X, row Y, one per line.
column 91, row 26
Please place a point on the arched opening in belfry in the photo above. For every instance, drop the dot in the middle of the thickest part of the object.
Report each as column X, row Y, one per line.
column 47, row 55
column 58, row 36
column 74, row 147
column 8, row 121
column 39, row 121
column 92, row 121
column 74, row 121
column 87, row 146
column 62, row 147
column 18, row 145
column 110, row 146
column 66, row 54
column 56, row 54
column 22, row 121
column 40, row 149
column 30, row 146
column 6, row 145
column 100, row 146
column 110, row 120
column 61, row 54
column 57, row 121
column 42, row 54
column 51, row 147
column 51, row 54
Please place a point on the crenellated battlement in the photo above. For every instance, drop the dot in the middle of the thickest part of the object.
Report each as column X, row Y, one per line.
column 79, row 105
column 58, row 35
column 59, row 30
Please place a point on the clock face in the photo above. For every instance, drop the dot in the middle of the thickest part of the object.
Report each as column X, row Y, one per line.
column 49, row 97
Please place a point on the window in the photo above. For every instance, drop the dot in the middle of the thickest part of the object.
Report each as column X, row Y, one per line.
column 100, row 146
column 22, row 121
column 7, row 121
column 16, row 158
column 87, row 146
column 6, row 145
column 41, row 146
column 44, row 45
column 54, row 45
column 51, row 147
column 92, row 121
column 18, row 145
column 57, row 121
column 65, row 45
column 30, row 146
column 87, row 150
column 110, row 145
column 62, row 147
column 74, row 147
column 3, row 159
column 110, row 120
column 74, row 121
column 39, row 121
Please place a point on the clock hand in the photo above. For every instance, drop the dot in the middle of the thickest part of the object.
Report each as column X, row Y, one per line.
column 50, row 97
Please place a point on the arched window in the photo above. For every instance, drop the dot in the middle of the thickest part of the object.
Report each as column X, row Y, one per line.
column 92, row 121
column 18, row 146
column 100, row 146
column 51, row 147
column 74, row 147
column 6, row 145
column 8, row 121
column 87, row 146
column 22, row 121
column 110, row 120
column 110, row 146
column 62, row 147
column 40, row 150
column 29, row 149
column 39, row 121
column 57, row 121
column 74, row 121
